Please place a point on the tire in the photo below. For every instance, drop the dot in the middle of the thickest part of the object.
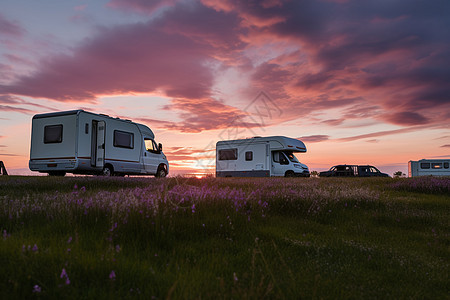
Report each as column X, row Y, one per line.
column 161, row 173
column 108, row 171
column 57, row 173
column 289, row 174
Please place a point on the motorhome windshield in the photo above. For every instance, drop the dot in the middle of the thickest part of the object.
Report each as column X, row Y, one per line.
column 290, row 155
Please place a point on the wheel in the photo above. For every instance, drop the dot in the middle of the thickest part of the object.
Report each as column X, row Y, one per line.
column 289, row 174
column 108, row 171
column 57, row 173
column 161, row 172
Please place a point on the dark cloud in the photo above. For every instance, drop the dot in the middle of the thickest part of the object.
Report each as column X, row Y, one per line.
column 445, row 146
column 10, row 28
column 381, row 133
column 141, row 6
column 406, row 118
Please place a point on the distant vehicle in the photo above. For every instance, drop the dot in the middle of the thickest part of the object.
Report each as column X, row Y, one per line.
column 428, row 167
column 260, row 157
column 353, row 171
column 82, row 142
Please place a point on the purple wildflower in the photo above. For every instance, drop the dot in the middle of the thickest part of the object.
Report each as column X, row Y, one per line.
column 65, row 276
column 36, row 289
column 112, row 275
column 35, row 248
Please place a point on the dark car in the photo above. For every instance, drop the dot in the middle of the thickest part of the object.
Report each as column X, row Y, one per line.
column 353, row 171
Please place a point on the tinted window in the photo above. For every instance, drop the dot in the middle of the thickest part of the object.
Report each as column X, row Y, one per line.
column 446, row 165
column 424, row 165
column 123, row 139
column 228, row 154
column 436, row 166
column 249, row 155
column 53, row 134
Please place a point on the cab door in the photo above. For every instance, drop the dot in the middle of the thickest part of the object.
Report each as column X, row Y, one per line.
column 151, row 156
column 279, row 163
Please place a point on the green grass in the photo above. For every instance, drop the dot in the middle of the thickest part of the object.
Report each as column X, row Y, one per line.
column 179, row 238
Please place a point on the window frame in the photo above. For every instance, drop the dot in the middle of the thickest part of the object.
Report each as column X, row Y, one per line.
column 425, row 165
column 52, row 141
column 436, row 166
column 117, row 145
column 223, row 156
column 248, row 155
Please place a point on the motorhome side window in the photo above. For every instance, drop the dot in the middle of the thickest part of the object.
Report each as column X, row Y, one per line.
column 249, row 155
column 424, row 165
column 228, row 154
column 53, row 134
column 123, row 139
column 446, row 165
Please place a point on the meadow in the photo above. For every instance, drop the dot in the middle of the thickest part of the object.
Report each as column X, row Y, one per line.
column 240, row 238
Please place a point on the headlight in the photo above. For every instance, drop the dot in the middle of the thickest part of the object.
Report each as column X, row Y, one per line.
column 297, row 166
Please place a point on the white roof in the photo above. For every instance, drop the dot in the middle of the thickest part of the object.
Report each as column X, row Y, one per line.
column 276, row 143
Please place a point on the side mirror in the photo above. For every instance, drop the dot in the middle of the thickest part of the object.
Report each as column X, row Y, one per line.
column 160, row 147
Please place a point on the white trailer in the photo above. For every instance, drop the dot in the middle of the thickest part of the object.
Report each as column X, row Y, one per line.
column 260, row 157
column 429, row 167
column 82, row 142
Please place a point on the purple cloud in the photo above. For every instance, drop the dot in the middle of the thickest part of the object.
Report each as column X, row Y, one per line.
column 10, row 28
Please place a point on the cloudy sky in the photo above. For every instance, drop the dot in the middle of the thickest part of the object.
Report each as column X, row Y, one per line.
column 359, row 81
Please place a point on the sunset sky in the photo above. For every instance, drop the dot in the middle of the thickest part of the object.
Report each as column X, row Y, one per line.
column 358, row 81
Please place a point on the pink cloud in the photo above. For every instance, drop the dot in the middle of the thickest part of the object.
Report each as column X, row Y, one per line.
column 203, row 114
column 172, row 55
column 392, row 70
column 314, row 138
column 15, row 109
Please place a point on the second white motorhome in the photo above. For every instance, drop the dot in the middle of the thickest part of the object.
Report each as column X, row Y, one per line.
column 429, row 167
column 260, row 157
column 81, row 142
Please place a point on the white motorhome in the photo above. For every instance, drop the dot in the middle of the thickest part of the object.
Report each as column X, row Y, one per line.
column 81, row 142
column 260, row 157
column 428, row 167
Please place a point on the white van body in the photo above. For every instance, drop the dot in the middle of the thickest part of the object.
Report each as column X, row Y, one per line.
column 260, row 157
column 81, row 142
column 428, row 167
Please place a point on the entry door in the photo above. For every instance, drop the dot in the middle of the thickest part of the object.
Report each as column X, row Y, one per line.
column 100, row 161
column 98, row 144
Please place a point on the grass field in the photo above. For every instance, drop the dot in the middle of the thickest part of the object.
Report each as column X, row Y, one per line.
column 95, row 237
